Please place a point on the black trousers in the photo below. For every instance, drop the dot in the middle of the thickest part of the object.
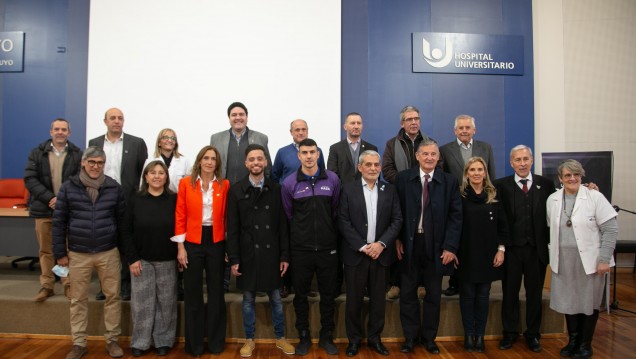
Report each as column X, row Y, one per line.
column 325, row 265
column 373, row 275
column 522, row 262
column 413, row 325
column 210, row 257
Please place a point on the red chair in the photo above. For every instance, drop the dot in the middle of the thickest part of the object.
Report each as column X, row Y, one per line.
column 13, row 193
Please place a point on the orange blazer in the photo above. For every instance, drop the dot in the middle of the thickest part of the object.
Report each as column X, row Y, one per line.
column 189, row 212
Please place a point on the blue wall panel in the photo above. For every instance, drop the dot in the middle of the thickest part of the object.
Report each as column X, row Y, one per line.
column 502, row 105
column 53, row 83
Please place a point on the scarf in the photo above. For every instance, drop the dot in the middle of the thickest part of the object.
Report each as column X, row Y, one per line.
column 92, row 184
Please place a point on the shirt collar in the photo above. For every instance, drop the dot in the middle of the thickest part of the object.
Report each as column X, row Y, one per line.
column 422, row 173
column 121, row 138
column 258, row 184
column 240, row 135
column 54, row 149
column 365, row 184
column 463, row 145
column 529, row 178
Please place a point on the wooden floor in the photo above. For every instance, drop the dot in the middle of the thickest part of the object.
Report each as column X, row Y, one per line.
column 615, row 337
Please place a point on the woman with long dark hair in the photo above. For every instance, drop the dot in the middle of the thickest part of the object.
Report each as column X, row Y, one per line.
column 200, row 234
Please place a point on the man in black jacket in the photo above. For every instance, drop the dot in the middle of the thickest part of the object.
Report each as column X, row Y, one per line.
column 370, row 220
column 88, row 221
column 258, row 245
column 49, row 165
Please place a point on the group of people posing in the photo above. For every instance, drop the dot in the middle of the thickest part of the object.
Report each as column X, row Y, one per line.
column 151, row 225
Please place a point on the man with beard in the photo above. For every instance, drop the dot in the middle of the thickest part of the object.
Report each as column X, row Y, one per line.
column 258, row 245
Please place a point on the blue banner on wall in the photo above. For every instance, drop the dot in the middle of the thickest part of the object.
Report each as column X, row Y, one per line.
column 12, row 51
column 445, row 52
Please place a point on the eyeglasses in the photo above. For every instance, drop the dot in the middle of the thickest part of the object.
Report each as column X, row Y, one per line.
column 571, row 175
column 95, row 163
column 411, row 119
column 169, row 138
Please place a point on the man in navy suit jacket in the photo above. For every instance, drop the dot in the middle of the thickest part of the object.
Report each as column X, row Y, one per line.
column 432, row 211
column 369, row 220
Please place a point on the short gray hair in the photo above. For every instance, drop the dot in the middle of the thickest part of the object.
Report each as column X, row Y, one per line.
column 368, row 153
column 519, row 148
column 428, row 142
column 407, row 109
column 92, row 152
column 465, row 117
column 573, row 166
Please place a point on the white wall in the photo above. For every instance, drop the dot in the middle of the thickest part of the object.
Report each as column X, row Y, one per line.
column 179, row 64
column 585, row 87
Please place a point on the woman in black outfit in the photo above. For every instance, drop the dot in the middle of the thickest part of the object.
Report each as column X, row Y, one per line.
column 481, row 252
column 148, row 226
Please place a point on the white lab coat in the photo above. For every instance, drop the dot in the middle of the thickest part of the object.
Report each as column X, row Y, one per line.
column 591, row 209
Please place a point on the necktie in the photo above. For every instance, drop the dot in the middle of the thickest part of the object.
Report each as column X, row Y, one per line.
column 424, row 195
column 524, row 182
column 354, row 147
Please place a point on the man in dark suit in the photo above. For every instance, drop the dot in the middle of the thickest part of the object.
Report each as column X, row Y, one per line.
column 343, row 155
column 523, row 196
column 125, row 158
column 123, row 151
column 454, row 155
column 429, row 240
column 369, row 219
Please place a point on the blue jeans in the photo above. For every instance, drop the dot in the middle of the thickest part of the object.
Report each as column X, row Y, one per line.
column 473, row 303
column 249, row 313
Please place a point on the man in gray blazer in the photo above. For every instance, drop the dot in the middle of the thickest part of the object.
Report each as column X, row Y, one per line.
column 454, row 156
column 125, row 158
column 232, row 143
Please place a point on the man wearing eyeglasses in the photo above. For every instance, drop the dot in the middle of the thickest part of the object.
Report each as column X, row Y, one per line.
column 123, row 151
column 86, row 230
column 399, row 155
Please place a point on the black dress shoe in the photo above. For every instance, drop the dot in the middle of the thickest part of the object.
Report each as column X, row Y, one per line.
column 137, row 352
column 469, row 343
column 451, row 291
column 378, row 347
column 352, row 349
column 533, row 344
column 479, row 344
column 125, row 296
column 163, row 351
column 100, row 296
column 506, row 342
column 431, row 347
column 408, row 346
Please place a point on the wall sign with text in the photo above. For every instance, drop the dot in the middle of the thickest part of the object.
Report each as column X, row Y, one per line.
column 12, row 51
column 446, row 52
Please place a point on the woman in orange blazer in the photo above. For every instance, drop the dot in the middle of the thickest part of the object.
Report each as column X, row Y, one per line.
column 200, row 233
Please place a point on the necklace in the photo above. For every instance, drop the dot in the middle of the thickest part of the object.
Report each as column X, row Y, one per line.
column 569, row 221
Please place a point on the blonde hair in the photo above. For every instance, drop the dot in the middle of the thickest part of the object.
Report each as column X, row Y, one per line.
column 162, row 133
column 490, row 190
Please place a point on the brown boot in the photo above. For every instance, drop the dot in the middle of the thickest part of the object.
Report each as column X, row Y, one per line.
column 43, row 294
